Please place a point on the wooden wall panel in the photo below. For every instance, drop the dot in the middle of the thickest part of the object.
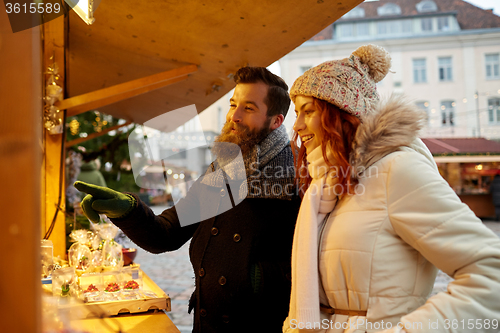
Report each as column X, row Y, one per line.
column 20, row 165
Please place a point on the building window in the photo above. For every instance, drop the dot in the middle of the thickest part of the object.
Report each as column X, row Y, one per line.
column 355, row 13
column 392, row 27
column 419, row 71
column 445, row 69
column 395, row 27
column 443, row 23
column 494, row 110
column 426, row 6
column 407, row 26
column 303, row 69
column 492, row 66
column 352, row 30
column 347, row 30
column 362, row 29
column 448, row 113
column 426, row 24
column 382, row 28
column 424, row 106
column 389, row 9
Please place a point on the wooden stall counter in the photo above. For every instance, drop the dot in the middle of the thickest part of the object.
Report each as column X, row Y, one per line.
column 138, row 315
column 150, row 321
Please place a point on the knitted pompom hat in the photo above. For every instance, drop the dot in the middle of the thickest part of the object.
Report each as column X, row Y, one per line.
column 349, row 83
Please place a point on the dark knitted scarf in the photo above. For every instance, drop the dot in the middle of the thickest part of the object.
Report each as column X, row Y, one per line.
column 268, row 169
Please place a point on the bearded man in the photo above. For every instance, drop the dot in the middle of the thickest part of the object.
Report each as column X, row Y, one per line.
column 241, row 252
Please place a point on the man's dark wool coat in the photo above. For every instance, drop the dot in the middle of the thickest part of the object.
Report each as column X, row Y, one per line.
column 241, row 257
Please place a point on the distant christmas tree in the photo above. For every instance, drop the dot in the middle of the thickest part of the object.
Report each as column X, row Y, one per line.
column 110, row 148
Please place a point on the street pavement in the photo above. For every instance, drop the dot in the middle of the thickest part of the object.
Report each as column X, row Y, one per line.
column 173, row 273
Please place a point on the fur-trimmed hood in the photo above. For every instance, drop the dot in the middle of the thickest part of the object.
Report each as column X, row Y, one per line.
column 395, row 123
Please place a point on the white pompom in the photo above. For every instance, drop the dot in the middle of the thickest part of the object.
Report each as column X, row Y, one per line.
column 377, row 59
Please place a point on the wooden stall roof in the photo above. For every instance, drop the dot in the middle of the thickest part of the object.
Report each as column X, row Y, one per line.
column 130, row 40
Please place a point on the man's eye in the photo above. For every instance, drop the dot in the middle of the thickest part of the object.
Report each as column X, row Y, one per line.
column 309, row 112
column 232, row 105
column 248, row 108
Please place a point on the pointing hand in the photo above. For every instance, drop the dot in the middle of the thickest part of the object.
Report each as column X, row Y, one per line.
column 103, row 200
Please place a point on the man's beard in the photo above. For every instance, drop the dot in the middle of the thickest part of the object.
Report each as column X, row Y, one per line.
column 245, row 138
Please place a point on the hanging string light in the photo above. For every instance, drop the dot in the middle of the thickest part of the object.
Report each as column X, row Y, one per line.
column 74, row 127
column 99, row 123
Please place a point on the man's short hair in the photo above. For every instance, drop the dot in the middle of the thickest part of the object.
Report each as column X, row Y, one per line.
column 277, row 99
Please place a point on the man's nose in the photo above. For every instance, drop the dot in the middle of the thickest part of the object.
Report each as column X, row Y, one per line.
column 235, row 115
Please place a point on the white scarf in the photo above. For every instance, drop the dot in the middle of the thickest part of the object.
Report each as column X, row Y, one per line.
column 318, row 201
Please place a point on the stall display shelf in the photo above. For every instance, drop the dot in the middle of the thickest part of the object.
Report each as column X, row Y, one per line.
column 151, row 297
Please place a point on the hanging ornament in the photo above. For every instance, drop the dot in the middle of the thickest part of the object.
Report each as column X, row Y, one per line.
column 52, row 117
column 53, row 121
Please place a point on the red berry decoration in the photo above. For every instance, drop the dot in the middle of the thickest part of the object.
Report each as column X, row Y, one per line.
column 131, row 285
column 112, row 287
column 91, row 289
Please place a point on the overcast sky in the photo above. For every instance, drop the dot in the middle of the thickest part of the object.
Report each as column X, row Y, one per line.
column 487, row 4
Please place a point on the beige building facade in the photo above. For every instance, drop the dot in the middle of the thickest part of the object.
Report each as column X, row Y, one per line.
column 467, row 52
column 452, row 73
column 441, row 60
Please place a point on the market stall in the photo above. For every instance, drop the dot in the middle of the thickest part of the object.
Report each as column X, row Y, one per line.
column 136, row 61
column 468, row 165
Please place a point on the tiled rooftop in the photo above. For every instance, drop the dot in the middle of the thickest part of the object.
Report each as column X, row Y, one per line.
column 468, row 15
column 462, row 146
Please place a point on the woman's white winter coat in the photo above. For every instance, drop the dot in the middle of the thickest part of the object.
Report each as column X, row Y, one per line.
column 380, row 249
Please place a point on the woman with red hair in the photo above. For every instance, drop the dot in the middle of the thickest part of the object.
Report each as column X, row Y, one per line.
column 377, row 220
column 336, row 130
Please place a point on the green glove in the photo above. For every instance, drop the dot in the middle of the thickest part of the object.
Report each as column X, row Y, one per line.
column 103, row 200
